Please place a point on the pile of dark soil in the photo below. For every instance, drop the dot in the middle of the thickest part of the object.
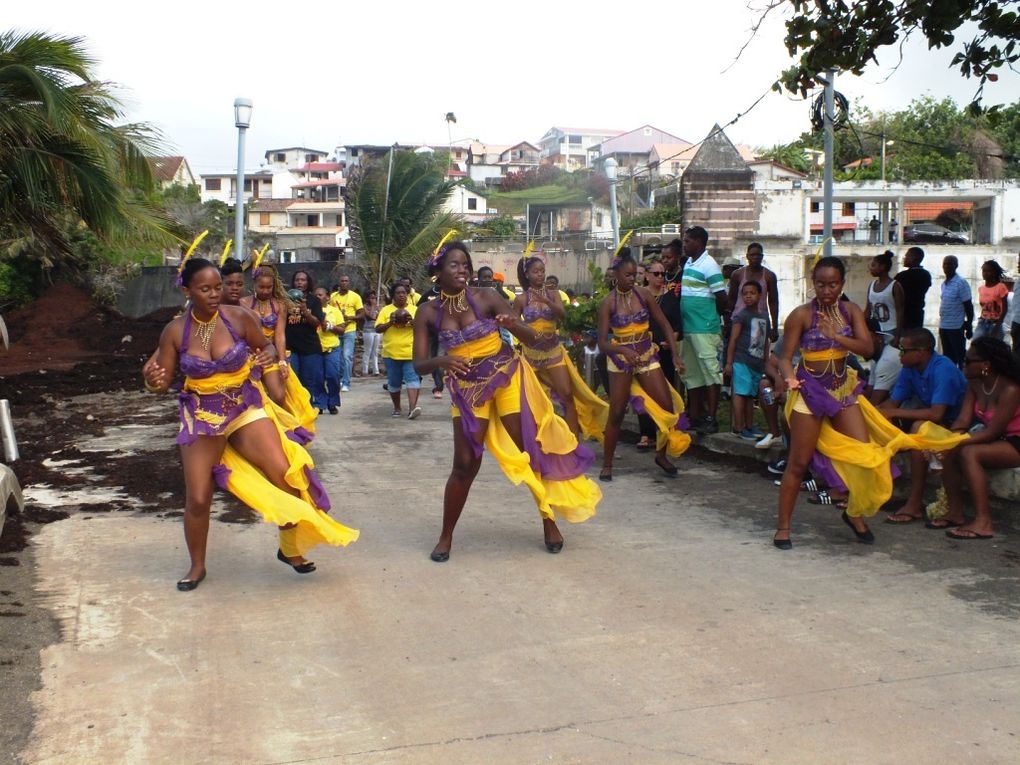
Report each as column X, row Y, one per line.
column 66, row 327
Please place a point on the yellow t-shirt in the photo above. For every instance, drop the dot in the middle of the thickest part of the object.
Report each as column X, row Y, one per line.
column 397, row 342
column 330, row 340
column 350, row 304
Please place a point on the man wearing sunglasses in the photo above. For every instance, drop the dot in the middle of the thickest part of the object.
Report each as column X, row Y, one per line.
column 929, row 389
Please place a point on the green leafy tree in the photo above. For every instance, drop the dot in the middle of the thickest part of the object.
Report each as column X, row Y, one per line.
column 790, row 154
column 846, row 36
column 501, row 225
column 650, row 218
column 398, row 237
column 66, row 160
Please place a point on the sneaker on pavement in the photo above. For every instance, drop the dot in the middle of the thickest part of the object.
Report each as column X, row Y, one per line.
column 415, row 413
column 397, row 413
column 766, row 442
column 778, row 467
column 345, row 388
column 748, row 435
column 758, row 433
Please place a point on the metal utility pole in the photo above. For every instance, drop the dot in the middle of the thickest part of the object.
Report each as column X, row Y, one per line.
column 830, row 78
column 614, row 215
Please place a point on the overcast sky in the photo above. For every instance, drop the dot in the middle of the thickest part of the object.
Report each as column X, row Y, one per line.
column 325, row 73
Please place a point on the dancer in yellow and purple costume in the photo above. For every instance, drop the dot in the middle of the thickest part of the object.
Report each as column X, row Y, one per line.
column 228, row 435
column 498, row 403
column 635, row 377
column 839, row 433
column 541, row 309
column 270, row 303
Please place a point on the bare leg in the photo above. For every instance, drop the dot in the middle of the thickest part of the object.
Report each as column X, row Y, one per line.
column 619, row 395
column 654, row 384
column 553, row 537
column 465, row 468
column 739, row 413
column 804, row 430
column 558, row 378
column 952, row 482
column 713, row 399
column 696, row 402
column 976, row 459
column 259, row 443
column 850, row 422
column 412, row 398
column 395, row 398
column 275, row 387
column 198, row 460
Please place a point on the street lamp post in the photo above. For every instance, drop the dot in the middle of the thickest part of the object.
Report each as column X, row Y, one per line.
column 242, row 119
column 610, row 166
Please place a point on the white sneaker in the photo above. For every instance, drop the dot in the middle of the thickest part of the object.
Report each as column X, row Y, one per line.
column 415, row 413
column 345, row 388
column 766, row 442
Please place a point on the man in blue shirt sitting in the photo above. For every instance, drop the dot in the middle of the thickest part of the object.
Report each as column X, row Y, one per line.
column 932, row 388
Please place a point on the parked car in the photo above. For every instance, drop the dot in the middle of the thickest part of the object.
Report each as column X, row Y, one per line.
column 932, row 233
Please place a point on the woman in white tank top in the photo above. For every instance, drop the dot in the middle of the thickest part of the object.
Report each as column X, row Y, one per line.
column 885, row 298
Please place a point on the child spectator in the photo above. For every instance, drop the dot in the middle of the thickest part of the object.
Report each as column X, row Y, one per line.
column 745, row 359
column 992, row 296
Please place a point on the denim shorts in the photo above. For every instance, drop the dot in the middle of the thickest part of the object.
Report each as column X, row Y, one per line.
column 401, row 372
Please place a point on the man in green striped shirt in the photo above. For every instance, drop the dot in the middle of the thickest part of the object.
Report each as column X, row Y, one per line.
column 702, row 302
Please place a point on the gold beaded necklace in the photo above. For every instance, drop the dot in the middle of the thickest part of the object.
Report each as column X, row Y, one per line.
column 624, row 297
column 205, row 329
column 456, row 303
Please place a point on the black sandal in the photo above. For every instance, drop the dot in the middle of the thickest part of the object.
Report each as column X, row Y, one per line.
column 187, row 585
column 302, row 568
column 667, row 469
column 862, row 536
column 782, row 544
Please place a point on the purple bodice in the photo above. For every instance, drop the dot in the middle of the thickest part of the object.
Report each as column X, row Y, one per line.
column 535, row 311
column 617, row 319
column 231, row 361
column 450, row 338
column 270, row 319
column 814, row 340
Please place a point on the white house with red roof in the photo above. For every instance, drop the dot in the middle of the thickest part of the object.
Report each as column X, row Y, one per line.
column 171, row 171
column 567, row 147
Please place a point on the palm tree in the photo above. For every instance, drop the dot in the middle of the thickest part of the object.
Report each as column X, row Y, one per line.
column 414, row 222
column 65, row 161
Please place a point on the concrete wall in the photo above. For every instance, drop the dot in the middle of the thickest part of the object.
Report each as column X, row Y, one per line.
column 155, row 288
column 792, row 265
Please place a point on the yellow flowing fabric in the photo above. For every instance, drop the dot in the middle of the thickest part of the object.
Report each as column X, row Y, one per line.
column 276, row 506
column 297, row 402
column 675, row 441
column 592, row 411
column 574, row 498
column 864, row 467
column 297, row 410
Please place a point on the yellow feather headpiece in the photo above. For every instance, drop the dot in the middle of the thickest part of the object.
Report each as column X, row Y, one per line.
column 226, row 252
column 622, row 243
column 439, row 251
column 190, row 251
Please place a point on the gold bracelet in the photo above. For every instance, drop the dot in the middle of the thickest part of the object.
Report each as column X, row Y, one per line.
column 151, row 388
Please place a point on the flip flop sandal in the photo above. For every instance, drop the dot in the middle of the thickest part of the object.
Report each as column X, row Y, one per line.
column 824, row 498
column 941, row 524
column 966, row 535
column 900, row 519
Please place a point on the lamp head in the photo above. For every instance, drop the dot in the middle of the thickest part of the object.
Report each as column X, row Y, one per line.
column 242, row 112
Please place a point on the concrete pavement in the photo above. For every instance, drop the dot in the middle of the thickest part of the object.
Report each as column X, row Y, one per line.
column 668, row 630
